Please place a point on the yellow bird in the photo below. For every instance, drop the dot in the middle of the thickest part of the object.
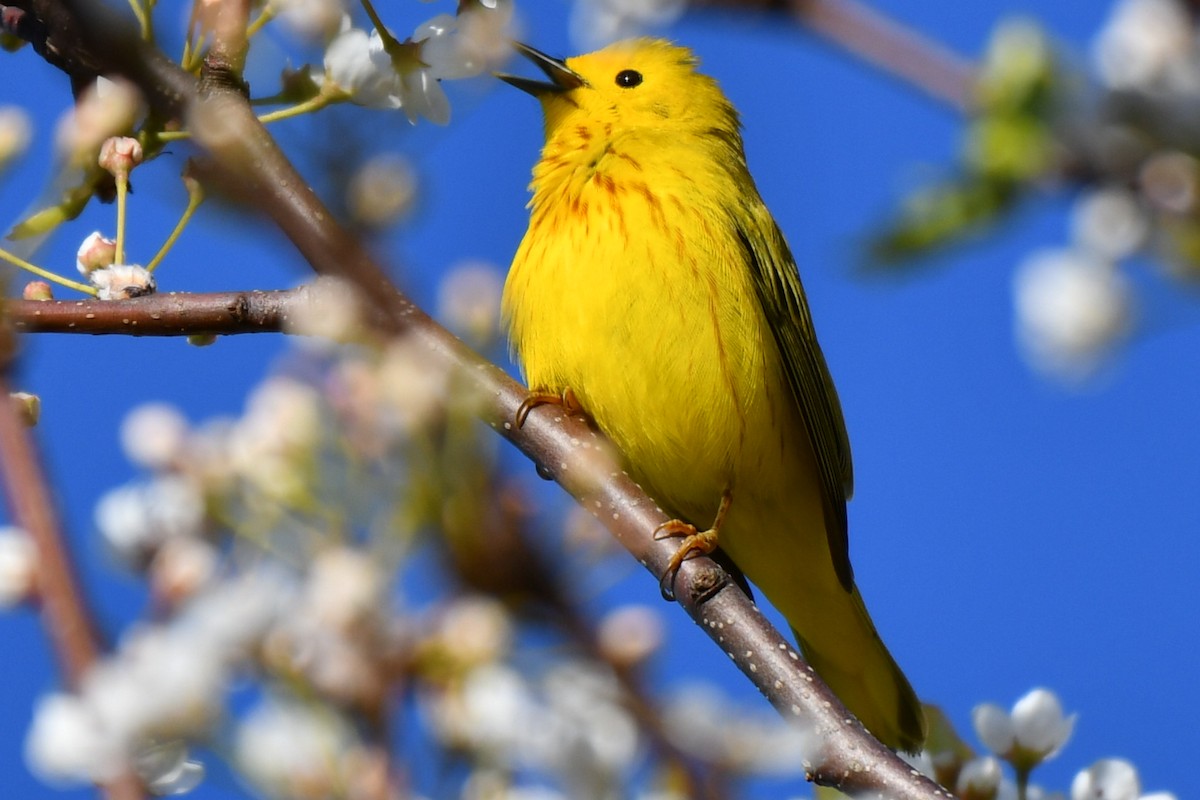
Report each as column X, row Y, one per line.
column 654, row 290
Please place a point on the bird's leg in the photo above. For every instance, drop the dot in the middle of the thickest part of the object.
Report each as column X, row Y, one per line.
column 694, row 541
column 566, row 399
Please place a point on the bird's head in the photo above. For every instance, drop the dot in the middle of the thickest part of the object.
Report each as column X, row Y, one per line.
column 637, row 84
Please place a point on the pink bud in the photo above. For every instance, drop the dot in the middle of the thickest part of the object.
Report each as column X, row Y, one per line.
column 120, row 154
column 37, row 290
column 95, row 253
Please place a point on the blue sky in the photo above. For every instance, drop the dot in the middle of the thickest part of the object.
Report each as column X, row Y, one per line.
column 1007, row 532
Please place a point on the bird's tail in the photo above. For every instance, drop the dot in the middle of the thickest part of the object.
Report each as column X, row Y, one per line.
column 846, row 651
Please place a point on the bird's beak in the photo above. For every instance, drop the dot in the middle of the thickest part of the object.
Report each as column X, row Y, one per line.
column 562, row 78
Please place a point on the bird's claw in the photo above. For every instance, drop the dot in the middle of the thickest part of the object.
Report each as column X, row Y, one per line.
column 566, row 399
column 694, row 543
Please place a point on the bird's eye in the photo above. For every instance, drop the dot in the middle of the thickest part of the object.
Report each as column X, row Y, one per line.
column 628, row 78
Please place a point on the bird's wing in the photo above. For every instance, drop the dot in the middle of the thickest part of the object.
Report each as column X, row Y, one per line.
column 781, row 295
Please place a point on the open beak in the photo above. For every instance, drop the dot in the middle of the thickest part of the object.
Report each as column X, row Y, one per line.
column 562, row 78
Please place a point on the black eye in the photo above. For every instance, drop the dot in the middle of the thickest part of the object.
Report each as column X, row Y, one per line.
column 628, row 78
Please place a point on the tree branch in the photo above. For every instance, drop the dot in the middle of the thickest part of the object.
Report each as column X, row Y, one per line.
column 172, row 314
column 64, row 610
column 884, row 43
column 245, row 161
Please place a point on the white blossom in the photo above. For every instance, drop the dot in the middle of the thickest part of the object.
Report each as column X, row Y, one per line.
column 469, row 300
column 1070, row 307
column 1034, row 732
column 358, row 63
column 595, row 23
column 630, row 634
column 1144, row 42
column 381, row 190
column 67, row 743
column 106, row 108
column 16, row 131
column 980, row 777
column 153, row 435
column 311, row 19
column 1109, row 222
column 123, row 282
column 293, row 750
column 137, row 518
column 18, row 566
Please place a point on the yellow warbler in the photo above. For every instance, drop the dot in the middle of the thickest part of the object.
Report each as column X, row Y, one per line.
column 654, row 289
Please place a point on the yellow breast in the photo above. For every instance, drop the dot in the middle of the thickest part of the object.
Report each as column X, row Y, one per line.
column 632, row 295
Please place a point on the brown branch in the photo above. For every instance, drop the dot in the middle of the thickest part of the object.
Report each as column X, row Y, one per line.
column 172, row 314
column 244, row 160
column 882, row 42
column 63, row 607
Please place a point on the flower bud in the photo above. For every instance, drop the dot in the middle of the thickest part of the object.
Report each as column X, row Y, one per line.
column 37, row 290
column 96, row 252
column 119, row 155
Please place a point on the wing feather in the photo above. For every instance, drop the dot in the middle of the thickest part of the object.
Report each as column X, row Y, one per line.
column 781, row 295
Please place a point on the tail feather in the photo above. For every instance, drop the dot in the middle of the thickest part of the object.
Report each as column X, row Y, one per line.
column 862, row 673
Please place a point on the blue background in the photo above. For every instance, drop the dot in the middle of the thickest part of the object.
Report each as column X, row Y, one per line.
column 1007, row 532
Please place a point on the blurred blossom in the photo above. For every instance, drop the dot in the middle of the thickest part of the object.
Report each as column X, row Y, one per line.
column 181, row 567
column 597, row 734
column 153, row 435
column 1112, row 779
column 96, row 252
column 331, row 311
column 294, row 750
column 106, row 108
column 162, row 681
column 475, row 630
column 381, row 190
column 1034, row 732
column 414, row 385
column 67, row 744
column 595, row 23
column 491, row 707
column 583, row 532
column 340, row 666
column 703, row 722
column 1168, row 181
column 1071, row 307
column 311, row 19
column 274, row 443
column 979, row 779
column 1107, row 779
column 16, row 131
column 629, row 635
column 469, row 301
column 136, row 519
column 1109, row 222
column 123, row 282
column 231, row 617
column 345, row 587
column 1145, row 42
column 18, row 566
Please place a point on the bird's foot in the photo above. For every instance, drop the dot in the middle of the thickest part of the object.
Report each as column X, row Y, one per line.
column 694, row 543
column 566, row 399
